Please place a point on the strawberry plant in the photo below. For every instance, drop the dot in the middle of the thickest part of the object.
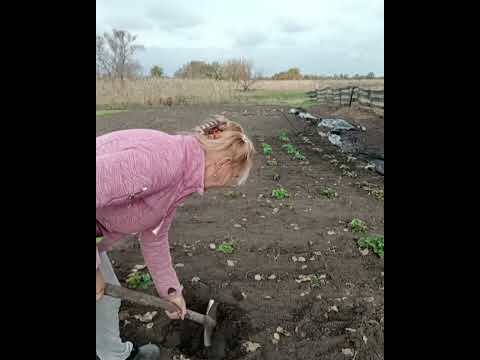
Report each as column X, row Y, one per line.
column 279, row 193
column 283, row 137
column 139, row 280
column 267, row 149
column 358, row 226
column 374, row 243
column 225, row 248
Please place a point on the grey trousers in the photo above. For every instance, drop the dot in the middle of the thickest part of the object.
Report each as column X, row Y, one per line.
column 109, row 344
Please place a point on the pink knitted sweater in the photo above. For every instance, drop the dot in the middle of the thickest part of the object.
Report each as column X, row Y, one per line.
column 142, row 176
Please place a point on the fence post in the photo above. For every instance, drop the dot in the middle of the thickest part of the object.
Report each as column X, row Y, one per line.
column 351, row 97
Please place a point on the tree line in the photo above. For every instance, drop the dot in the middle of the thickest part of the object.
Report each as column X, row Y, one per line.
column 117, row 59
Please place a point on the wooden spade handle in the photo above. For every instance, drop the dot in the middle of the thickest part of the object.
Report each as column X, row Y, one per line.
column 139, row 298
column 154, row 301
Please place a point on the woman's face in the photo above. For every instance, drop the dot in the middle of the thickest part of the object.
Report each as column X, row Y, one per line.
column 221, row 173
column 218, row 173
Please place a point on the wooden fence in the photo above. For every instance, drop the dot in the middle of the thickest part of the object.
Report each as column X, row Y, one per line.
column 350, row 96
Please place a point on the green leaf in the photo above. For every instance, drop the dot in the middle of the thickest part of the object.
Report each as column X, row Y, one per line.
column 225, row 248
column 282, row 136
column 298, row 156
column 358, row 226
column 139, row 280
column 267, row 149
column 328, row 192
column 374, row 243
column 279, row 193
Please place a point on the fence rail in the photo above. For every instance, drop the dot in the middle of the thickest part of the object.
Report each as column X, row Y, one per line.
column 365, row 98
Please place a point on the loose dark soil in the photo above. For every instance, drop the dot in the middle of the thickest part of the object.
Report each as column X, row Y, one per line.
column 343, row 308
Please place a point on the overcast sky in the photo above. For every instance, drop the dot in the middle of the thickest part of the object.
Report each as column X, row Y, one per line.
column 318, row 36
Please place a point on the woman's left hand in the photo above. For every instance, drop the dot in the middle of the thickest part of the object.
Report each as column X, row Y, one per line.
column 180, row 302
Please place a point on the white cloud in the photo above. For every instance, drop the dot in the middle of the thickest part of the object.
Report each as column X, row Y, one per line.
column 294, row 25
column 250, row 39
column 321, row 34
column 172, row 18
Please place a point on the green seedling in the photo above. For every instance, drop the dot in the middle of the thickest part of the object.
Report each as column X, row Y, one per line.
column 293, row 152
column 139, row 280
column 373, row 190
column 374, row 243
column 225, row 248
column 279, row 193
column 289, row 148
column 267, row 149
column 329, row 193
column 315, row 281
column 358, row 226
column 283, row 137
column 298, row 156
column 377, row 194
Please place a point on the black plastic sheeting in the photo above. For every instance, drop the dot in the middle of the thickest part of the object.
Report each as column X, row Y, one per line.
column 350, row 139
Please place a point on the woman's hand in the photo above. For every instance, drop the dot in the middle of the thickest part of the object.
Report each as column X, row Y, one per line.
column 100, row 285
column 180, row 302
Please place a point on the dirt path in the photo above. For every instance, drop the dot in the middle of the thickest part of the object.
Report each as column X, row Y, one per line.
column 341, row 308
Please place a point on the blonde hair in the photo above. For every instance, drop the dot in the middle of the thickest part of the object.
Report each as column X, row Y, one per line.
column 230, row 140
column 218, row 123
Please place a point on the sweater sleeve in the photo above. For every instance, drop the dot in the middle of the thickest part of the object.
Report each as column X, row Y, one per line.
column 156, row 252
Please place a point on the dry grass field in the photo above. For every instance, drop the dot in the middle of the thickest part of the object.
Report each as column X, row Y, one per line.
column 157, row 92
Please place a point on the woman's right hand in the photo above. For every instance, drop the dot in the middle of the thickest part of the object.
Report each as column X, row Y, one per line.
column 179, row 301
column 100, row 285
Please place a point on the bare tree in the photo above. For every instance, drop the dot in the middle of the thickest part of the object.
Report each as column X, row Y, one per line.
column 133, row 69
column 215, row 71
column 240, row 71
column 116, row 55
column 200, row 70
column 104, row 60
